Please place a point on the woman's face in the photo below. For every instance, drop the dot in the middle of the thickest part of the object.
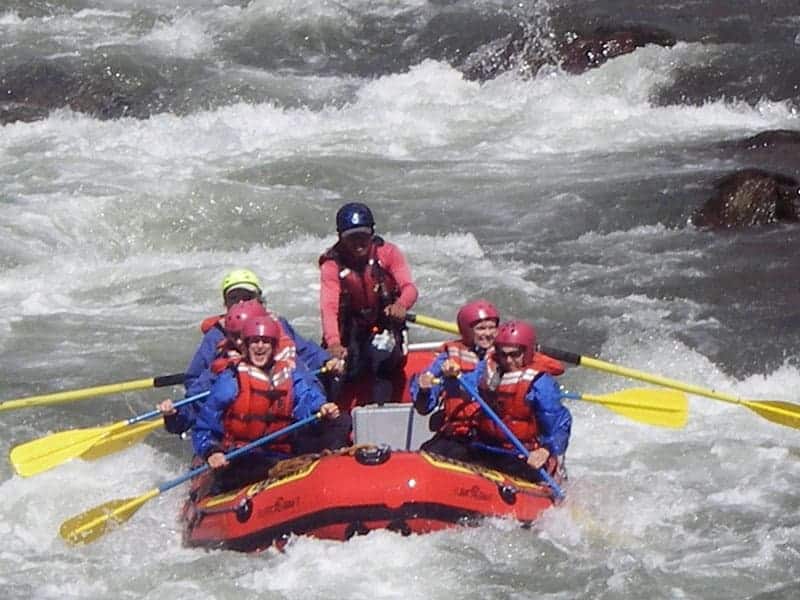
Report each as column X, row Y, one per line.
column 259, row 350
column 484, row 332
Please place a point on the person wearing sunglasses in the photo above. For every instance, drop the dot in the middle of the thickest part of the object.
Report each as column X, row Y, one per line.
column 365, row 290
column 527, row 399
column 258, row 395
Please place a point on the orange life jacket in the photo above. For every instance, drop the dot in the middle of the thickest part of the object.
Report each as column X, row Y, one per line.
column 264, row 404
column 460, row 411
column 547, row 364
column 210, row 322
column 505, row 393
column 364, row 293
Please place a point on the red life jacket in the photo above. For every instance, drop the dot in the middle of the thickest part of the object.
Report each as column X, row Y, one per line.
column 210, row 322
column 460, row 411
column 264, row 404
column 366, row 292
column 505, row 393
column 547, row 364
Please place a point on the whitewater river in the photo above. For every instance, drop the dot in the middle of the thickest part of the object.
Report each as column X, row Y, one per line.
column 564, row 199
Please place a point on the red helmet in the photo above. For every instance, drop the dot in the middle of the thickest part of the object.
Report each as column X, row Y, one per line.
column 239, row 313
column 517, row 333
column 262, row 326
column 471, row 313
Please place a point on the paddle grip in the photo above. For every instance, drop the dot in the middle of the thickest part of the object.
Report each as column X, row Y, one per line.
column 155, row 413
column 568, row 357
column 168, row 380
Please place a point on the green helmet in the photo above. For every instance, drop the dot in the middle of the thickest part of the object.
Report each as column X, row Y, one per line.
column 240, row 278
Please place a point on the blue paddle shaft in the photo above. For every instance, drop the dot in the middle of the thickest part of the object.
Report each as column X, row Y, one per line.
column 155, row 413
column 509, row 435
column 239, row 451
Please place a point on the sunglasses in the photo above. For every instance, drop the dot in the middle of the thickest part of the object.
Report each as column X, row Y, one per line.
column 516, row 353
column 239, row 295
column 260, row 338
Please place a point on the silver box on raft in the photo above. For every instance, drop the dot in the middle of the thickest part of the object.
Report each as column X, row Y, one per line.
column 397, row 425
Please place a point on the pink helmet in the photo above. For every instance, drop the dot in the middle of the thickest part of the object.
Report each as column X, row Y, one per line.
column 517, row 333
column 239, row 313
column 262, row 326
column 471, row 313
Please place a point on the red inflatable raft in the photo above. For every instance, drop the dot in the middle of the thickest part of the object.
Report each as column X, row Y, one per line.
column 355, row 491
column 363, row 488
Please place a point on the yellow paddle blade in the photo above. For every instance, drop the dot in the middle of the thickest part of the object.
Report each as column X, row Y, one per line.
column 120, row 440
column 43, row 454
column 50, row 451
column 782, row 413
column 662, row 408
column 90, row 525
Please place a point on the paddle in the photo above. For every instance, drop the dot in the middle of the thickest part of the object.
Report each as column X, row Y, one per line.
column 559, row 495
column 432, row 323
column 92, row 524
column 782, row 413
column 101, row 390
column 662, row 408
column 37, row 456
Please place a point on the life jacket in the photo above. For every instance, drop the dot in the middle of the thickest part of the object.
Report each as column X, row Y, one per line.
column 505, row 393
column 264, row 404
column 210, row 322
column 364, row 293
column 547, row 364
column 460, row 410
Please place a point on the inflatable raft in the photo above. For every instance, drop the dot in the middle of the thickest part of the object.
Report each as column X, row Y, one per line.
column 382, row 482
column 355, row 491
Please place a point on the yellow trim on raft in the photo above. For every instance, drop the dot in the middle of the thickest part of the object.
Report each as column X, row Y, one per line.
column 491, row 474
column 258, row 487
column 261, row 486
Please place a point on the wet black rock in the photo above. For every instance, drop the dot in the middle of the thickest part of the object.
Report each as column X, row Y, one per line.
column 525, row 51
column 750, row 198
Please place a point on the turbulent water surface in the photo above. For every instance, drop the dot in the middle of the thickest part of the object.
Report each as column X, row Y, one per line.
column 216, row 134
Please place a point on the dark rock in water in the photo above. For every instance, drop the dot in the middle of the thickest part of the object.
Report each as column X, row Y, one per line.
column 587, row 51
column 519, row 50
column 104, row 86
column 772, row 139
column 749, row 198
column 11, row 112
column 522, row 50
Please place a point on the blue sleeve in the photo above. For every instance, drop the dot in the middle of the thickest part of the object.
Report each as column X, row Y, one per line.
column 207, row 432
column 552, row 417
column 184, row 419
column 427, row 400
column 308, row 397
column 310, row 353
column 202, row 359
column 474, row 377
column 181, row 421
